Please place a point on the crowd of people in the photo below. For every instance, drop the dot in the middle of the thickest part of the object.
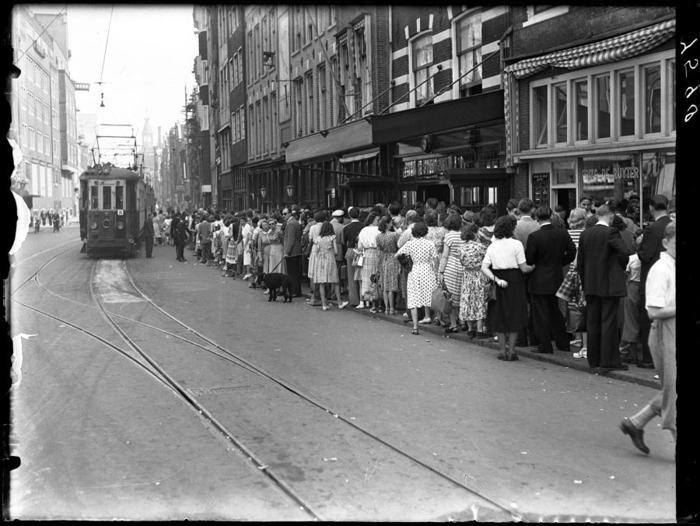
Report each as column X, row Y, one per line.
column 535, row 277
column 50, row 217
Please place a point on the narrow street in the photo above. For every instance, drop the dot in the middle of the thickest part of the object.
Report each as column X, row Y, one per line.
column 352, row 415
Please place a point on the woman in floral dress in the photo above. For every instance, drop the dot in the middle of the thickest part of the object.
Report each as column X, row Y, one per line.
column 388, row 265
column 326, row 270
column 367, row 244
column 277, row 263
column 450, row 266
column 421, row 280
column 472, row 303
column 263, row 245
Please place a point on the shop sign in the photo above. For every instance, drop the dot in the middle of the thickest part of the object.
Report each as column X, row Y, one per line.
column 608, row 175
column 206, row 188
column 427, row 168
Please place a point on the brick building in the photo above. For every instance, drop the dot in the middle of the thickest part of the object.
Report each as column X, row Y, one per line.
column 591, row 102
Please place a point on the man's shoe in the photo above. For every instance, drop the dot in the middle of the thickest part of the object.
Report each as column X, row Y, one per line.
column 637, row 435
column 645, row 365
column 608, row 369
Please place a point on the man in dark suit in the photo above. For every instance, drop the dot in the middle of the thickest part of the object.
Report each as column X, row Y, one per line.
column 602, row 259
column 649, row 250
column 149, row 234
column 292, row 251
column 548, row 249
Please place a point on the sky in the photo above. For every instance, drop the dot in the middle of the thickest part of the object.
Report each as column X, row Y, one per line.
column 144, row 59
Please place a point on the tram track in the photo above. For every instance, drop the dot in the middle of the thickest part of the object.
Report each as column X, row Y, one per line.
column 143, row 360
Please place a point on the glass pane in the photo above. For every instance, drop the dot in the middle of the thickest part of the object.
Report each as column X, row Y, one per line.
column 466, row 63
column 94, row 198
column 119, row 197
column 627, row 103
column 423, row 52
column 602, row 107
column 470, row 32
column 424, row 90
column 652, row 99
column 672, row 87
column 612, row 176
column 106, row 197
column 540, row 116
column 563, row 172
column 581, row 110
column 560, row 111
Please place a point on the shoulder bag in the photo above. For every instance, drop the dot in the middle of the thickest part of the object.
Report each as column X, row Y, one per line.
column 441, row 301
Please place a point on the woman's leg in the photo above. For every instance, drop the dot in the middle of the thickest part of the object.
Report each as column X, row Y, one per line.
column 391, row 302
column 322, row 290
column 453, row 317
column 502, row 342
column 337, row 294
column 414, row 315
column 512, row 336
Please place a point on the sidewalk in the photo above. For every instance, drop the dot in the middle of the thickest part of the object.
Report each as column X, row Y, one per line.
column 634, row 374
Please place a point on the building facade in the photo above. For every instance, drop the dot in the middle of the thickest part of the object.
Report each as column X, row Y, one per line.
column 44, row 122
column 593, row 115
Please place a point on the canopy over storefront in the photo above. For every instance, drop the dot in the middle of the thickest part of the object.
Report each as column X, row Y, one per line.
column 603, row 52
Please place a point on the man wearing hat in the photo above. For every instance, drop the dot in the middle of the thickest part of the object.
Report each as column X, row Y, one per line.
column 204, row 232
column 337, row 223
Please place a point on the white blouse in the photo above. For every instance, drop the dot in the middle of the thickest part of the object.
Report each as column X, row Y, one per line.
column 368, row 237
column 502, row 254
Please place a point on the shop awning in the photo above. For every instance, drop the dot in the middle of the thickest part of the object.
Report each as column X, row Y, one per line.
column 360, row 156
column 357, row 137
column 603, row 52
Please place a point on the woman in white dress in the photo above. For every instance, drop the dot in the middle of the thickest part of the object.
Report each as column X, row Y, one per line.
column 421, row 280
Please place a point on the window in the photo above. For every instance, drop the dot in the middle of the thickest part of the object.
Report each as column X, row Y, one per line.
column 30, row 104
column 652, row 99
column 266, row 124
column 422, row 60
column 94, row 199
column 539, row 118
column 309, row 84
column 560, row 111
column 25, row 135
column 310, row 22
column 322, row 98
column 298, row 96
column 626, row 90
column 581, row 110
column 602, row 124
column 32, row 138
column 119, row 197
column 242, row 122
column 469, row 54
column 672, row 89
column 563, row 173
column 106, row 197
column 251, row 51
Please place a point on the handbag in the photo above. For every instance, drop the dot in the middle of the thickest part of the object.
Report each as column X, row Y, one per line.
column 357, row 257
column 491, row 293
column 406, row 262
column 441, row 301
column 575, row 317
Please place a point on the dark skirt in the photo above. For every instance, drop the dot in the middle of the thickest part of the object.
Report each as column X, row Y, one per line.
column 509, row 312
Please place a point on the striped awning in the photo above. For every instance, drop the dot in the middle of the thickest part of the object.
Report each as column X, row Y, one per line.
column 603, row 52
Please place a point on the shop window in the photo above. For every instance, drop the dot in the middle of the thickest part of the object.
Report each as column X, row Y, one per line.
column 422, row 60
column 560, row 112
column 652, row 99
column 602, row 124
column 469, row 55
column 626, row 90
column 581, row 110
column 610, row 177
column 539, row 120
column 469, row 195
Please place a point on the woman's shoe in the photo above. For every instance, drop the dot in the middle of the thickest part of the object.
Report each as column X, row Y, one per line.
column 452, row 329
column 471, row 334
column 502, row 356
column 360, row 306
column 512, row 357
column 343, row 305
column 415, row 332
column 326, row 307
column 373, row 310
column 425, row 321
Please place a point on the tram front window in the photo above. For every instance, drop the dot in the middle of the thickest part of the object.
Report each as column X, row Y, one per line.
column 106, row 197
column 94, row 199
column 119, row 197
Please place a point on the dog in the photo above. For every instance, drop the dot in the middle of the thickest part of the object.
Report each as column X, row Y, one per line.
column 276, row 282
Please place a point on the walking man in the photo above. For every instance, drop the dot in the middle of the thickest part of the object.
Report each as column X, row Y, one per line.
column 149, row 234
column 292, row 251
column 179, row 235
column 548, row 250
column 204, row 232
column 660, row 297
column 601, row 262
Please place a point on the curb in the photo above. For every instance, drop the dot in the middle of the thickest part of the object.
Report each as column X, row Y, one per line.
column 560, row 358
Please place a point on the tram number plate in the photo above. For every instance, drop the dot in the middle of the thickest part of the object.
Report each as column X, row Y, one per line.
column 120, row 212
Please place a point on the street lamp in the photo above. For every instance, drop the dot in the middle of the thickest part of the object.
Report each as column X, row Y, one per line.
column 263, row 192
column 290, row 190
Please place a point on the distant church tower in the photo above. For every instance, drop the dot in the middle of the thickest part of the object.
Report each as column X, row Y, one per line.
column 147, row 138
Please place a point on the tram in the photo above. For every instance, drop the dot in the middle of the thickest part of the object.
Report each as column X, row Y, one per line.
column 114, row 205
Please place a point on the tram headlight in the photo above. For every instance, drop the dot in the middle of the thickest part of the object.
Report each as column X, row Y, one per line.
column 93, row 226
column 120, row 225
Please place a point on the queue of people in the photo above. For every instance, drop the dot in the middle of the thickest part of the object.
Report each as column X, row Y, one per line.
column 583, row 283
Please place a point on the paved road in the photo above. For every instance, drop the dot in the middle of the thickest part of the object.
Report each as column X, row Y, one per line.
column 535, row 437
